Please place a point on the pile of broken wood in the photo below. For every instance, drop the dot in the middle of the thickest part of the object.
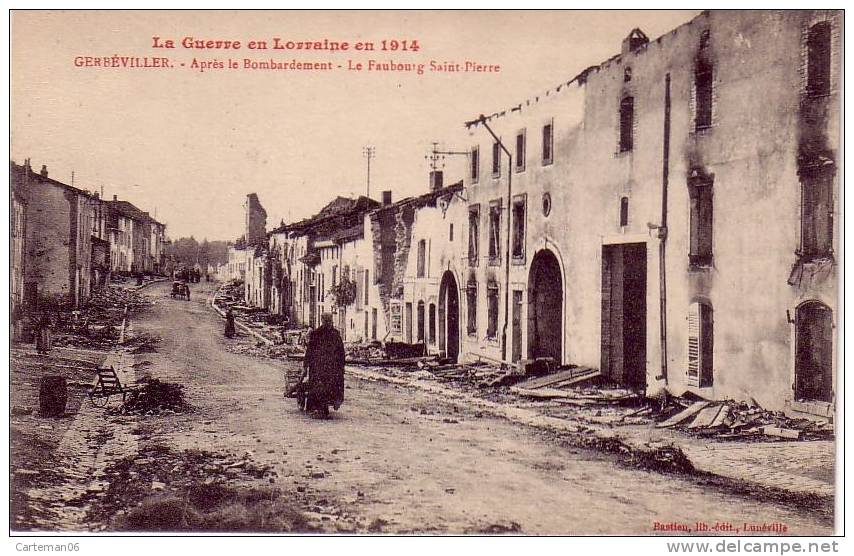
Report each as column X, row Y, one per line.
column 482, row 373
column 574, row 386
column 730, row 420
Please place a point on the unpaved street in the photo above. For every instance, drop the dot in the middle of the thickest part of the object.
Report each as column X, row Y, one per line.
column 399, row 460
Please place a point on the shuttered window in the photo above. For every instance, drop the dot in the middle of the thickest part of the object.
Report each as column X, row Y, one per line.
column 548, row 143
column 700, row 362
column 520, row 150
column 495, row 232
column 518, row 250
column 367, row 287
column 474, row 233
column 816, row 216
column 496, row 160
column 492, row 310
column 704, row 94
column 360, row 281
column 471, row 307
column 422, row 258
column 431, row 323
column 627, row 122
column 420, row 320
column 818, row 59
column 701, row 220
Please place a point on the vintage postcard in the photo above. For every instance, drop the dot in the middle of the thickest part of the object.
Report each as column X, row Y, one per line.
column 426, row 272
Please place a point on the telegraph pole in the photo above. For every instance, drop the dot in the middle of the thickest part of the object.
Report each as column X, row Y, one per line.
column 369, row 152
column 436, row 158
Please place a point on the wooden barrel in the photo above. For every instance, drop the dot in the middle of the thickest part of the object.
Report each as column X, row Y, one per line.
column 53, row 396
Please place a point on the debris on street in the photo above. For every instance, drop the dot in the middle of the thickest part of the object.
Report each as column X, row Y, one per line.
column 98, row 325
column 155, row 397
column 731, row 420
column 159, row 490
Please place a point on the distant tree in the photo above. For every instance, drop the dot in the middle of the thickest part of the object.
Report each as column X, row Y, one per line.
column 188, row 251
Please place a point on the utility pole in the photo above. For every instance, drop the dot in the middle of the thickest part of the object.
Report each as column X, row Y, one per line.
column 482, row 120
column 436, row 158
column 369, row 152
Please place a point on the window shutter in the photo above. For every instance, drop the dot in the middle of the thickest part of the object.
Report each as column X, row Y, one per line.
column 694, row 245
column 360, row 281
column 694, row 344
column 705, row 216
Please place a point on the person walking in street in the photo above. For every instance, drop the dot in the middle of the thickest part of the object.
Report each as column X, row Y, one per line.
column 187, row 292
column 229, row 323
column 324, row 369
column 44, row 335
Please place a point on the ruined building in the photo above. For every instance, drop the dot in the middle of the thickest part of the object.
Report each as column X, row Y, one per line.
column 670, row 215
column 256, row 275
column 62, row 222
column 137, row 241
column 312, row 257
column 256, row 221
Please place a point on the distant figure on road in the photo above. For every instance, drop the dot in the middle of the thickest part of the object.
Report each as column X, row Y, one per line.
column 44, row 337
column 186, row 292
column 229, row 323
column 324, row 367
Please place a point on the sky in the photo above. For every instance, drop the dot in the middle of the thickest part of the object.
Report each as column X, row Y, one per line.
column 189, row 146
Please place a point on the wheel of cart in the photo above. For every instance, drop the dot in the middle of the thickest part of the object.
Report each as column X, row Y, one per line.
column 108, row 385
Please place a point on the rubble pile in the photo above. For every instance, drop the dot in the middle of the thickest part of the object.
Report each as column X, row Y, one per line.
column 154, row 397
column 260, row 349
column 482, row 374
column 731, row 420
column 195, row 490
column 365, row 352
column 274, row 328
column 99, row 323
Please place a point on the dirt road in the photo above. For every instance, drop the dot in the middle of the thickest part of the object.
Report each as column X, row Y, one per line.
column 400, row 460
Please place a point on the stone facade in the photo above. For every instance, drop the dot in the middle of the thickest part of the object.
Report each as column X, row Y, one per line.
column 17, row 248
column 60, row 223
column 738, row 249
column 139, row 241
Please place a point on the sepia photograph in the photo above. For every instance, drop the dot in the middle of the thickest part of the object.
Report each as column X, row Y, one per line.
column 426, row 273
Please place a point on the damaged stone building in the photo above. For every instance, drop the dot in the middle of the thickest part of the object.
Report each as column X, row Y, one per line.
column 256, row 280
column 62, row 223
column 666, row 216
column 137, row 241
column 417, row 259
column 311, row 258
column 66, row 241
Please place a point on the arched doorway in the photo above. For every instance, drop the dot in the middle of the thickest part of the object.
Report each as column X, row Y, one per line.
column 545, row 307
column 449, row 316
column 814, row 352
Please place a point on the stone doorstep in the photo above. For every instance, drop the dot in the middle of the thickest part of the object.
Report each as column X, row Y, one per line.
column 705, row 461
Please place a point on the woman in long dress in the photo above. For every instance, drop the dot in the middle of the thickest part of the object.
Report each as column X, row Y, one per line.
column 44, row 337
column 229, row 324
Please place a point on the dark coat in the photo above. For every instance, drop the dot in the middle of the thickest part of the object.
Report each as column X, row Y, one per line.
column 229, row 324
column 325, row 361
column 44, row 338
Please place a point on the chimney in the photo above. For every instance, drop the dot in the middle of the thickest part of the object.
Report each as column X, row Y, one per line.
column 115, row 197
column 435, row 180
column 634, row 41
column 386, row 198
column 44, row 170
